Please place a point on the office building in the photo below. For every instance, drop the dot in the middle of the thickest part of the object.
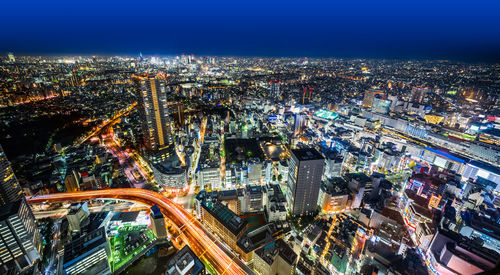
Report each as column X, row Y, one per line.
column 158, row 222
column 20, row 242
column 299, row 124
column 72, row 181
column 449, row 253
column 381, row 105
column 88, row 254
column 77, row 214
column 10, row 189
column 368, row 98
column 418, row 94
column 275, row 208
column 276, row 257
column 305, row 172
column 209, row 177
column 224, row 222
column 275, row 89
column 254, row 198
column 333, row 195
column 179, row 114
column 155, row 116
column 185, row 262
column 169, row 176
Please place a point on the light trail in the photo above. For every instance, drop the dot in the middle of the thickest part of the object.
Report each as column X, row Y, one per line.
column 111, row 121
column 193, row 233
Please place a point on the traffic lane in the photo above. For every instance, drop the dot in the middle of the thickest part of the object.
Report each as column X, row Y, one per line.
column 215, row 254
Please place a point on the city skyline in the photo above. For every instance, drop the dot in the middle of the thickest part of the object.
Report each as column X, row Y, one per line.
column 456, row 30
column 250, row 137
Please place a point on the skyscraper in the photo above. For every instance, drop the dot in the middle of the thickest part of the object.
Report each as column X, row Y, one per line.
column 368, row 97
column 299, row 124
column 158, row 222
column 275, row 89
column 12, row 58
column 10, row 189
column 88, row 254
column 305, row 171
column 155, row 114
column 20, row 242
column 418, row 94
column 180, row 114
column 380, row 105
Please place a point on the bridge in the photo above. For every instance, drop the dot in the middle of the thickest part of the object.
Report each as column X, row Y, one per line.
column 210, row 250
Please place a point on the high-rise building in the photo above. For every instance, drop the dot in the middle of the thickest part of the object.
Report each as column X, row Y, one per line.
column 304, row 180
column 78, row 213
column 72, row 180
column 88, row 254
column 155, row 116
column 12, row 58
column 275, row 89
column 418, row 94
column 381, row 105
column 179, row 108
column 10, row 189
column 368, row 97
column 158, row 222
column 299, row 124
column 20, row 242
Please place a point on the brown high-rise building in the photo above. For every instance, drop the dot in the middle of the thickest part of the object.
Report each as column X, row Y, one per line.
column 180, row 114
column 368, row 97
column 418, row 94
column 155, row 113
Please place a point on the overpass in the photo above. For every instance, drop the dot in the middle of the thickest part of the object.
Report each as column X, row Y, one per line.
column 210, row 251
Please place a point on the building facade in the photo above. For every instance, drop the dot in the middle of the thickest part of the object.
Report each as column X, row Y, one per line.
column 155, row 114
column 20, row 241
column 10, row 189
column 88, row 255
column 305, row 172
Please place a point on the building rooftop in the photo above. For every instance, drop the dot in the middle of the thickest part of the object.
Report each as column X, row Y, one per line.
column 84, row 244
column 185, row 262
column 129, row 216
column 359, row 177
column 269, row 252
column 335, row 186
column 307, row 154
column 156, row 212
column 224, row 215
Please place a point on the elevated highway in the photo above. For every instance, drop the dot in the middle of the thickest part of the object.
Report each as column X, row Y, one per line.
column 210, row 251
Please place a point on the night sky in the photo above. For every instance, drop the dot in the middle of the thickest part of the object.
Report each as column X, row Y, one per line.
column 408, row 29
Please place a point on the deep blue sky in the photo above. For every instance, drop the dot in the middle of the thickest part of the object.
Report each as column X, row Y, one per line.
column 467, row 30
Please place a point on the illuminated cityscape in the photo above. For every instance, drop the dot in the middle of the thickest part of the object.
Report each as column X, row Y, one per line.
column 279, row 158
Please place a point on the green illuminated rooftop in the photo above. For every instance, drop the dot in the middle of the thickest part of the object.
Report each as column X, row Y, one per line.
column 329, row 115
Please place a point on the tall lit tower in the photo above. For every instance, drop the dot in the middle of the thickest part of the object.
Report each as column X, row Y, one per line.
column 299, row 124
column 275, row 88
column 305, row 170
column 10, row 189
column 20, row 240
column 368, row 97
column 20, row 243
column 180, row 114
column 418, row 94
column 155, row 114
column 12, row 58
